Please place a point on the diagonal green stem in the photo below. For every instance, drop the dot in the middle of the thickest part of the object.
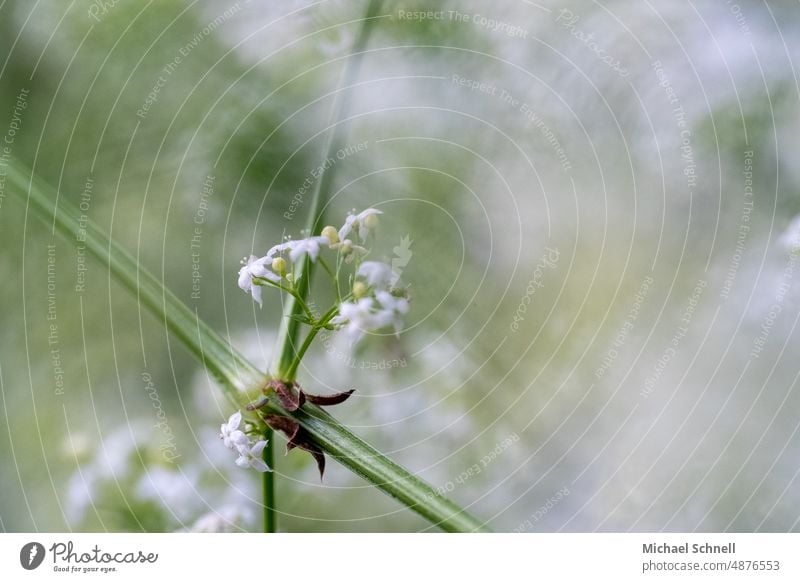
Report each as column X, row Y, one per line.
column 240, row 380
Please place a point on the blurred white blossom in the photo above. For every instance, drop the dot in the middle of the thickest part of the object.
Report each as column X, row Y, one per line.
column 377, row 274
column 362, row 223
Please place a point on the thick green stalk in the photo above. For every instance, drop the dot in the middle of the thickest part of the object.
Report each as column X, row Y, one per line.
column 239, row 379
column 290, row 326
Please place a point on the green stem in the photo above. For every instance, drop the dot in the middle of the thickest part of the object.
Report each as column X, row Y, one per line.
column 268, row 485
column 334, row 278
column 288, row 358
column 303, row 305
column 290, row 326
column 291, row 373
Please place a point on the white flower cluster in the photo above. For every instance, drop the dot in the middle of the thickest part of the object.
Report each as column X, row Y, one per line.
column 272, row 266
column 375, row 305
column 250, row 454
column 372, row 303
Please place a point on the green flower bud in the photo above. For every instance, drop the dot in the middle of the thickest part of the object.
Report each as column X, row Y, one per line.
column 359, row 289
column 279, row 266
column 331, row 234
column 371, row 222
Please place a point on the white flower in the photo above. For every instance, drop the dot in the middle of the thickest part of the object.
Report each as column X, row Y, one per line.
column 358, row 318
column 169, row 488
column 369, row 314
column 227, row 520
column 377, row 274
column 255, row 267
column 791, row 236
column 230, row 434
column 349, row 250
column 347, row 227
column 250, row 457
column 81, row 493
column 362, row 223
column 278, row 249
column 249, row 453
column 308, row 246
column 394, row 308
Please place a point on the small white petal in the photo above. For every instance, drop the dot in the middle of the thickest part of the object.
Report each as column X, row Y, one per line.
column 354, row 333
column 791, row 236
column 368, row 212
column 393, row 309
column 392, row 303
column 357, row 318
column 255, row 268
column 377, row 274
column 363, row 229
column 347, row 227
column 255, row 291
column 231, row 436
column 242, row 446
column 245, row 278
column 309, row 246
column 260, row 466
column 356, row 223
column 235, row 420
column 250, row 457
column 236, row 440
column 258, row 448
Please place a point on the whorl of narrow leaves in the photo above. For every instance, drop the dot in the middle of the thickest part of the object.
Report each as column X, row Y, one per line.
column 292, row 398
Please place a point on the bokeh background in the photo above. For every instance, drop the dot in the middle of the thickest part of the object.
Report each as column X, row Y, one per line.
column 604, row 269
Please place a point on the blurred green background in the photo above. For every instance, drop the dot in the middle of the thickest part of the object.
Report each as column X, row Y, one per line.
column 603, row 266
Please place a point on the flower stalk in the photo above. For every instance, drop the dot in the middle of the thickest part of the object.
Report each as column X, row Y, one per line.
column 268, row 485
column 290, row 326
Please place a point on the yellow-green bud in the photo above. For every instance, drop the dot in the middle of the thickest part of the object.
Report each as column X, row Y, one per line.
column 279, row 266
column 359, row 289
column 371, row 222
column 331, row 234
column 347, row 247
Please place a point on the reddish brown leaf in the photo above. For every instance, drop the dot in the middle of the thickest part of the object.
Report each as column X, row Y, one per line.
column 289, row 399
column 302, row 441
column 298, row 438
column 319, row 456
column 284, row 424
column 328, row 400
